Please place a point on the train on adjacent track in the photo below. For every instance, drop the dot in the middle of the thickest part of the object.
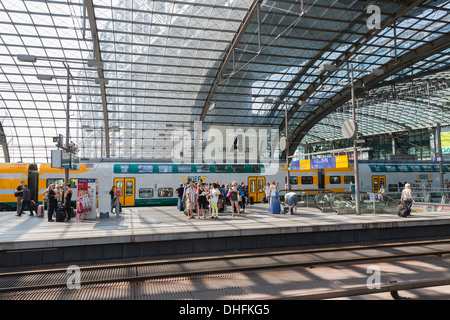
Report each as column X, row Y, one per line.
column 153, row 182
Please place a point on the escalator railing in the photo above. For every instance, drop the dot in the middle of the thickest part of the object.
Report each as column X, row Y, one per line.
column 344, row 202
column 424, row 201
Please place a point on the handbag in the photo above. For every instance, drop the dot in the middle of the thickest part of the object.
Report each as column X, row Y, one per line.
column 104, row 215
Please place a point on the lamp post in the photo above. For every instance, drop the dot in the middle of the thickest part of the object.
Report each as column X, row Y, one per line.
column 286, row 140
column 69, row 148
column 350, row 128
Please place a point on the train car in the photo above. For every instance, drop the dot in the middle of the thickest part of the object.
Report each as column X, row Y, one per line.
column 10, row 177
column 49, row 175
column 149, row 184
column 338, row 179
column 301, row 180
column 392, row 175
column 372, row 174
column 140, row 182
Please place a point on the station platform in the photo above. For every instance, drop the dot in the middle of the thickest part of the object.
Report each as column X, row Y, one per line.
column 159, row 231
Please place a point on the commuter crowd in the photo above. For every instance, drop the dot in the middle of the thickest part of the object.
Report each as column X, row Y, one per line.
column 59, row 203
column 210, row 198
column 207, row 199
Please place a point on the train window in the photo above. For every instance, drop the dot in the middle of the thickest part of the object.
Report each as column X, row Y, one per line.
column 203, row 169
column 145, row 169
column 165, row 168
column 307, row 180
column 129, row 188
column 256, row 169
column 237, row 169
column 146, row 193
column 403, row 168
column 184, row 169
column 124, row 168
column 348, row 179
column 260, row 185
column 252, row 186
column 119, row 186
column 221, row 169
column 335, row 180
column 390, row 168
column 55, row 182
column 293, row 180
column 165, row 192
column 393, row 188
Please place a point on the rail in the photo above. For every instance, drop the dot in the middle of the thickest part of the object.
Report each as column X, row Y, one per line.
column 329, row 201
column 13, row 283
column 424, row 201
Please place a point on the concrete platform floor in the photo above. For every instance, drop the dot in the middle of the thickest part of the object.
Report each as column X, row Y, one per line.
column 141, row 224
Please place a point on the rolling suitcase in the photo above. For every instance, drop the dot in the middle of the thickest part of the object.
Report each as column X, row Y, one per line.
column 60, row 212
column 405, row 210
column 40, row 211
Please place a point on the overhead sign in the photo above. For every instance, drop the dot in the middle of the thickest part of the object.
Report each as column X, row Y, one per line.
column 341, row 161
column 56, row 158
column 445, row 142
column 295, row 165
column 323, row 163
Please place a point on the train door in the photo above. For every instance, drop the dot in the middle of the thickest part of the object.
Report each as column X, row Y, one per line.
column 321, row 178
column 256, row 188
column 378, row 181
column 126, row 187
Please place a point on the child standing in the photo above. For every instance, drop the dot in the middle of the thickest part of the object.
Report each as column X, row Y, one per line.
column 214, row 199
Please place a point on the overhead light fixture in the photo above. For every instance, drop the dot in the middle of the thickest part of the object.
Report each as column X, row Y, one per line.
column 44, row 77
column 268, row 100
column 95, row 63
column 101, row 81
column 377, row 72
column 327, row 67
column 26, row 58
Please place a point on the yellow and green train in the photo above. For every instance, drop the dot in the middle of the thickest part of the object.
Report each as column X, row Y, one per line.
column 153, row 182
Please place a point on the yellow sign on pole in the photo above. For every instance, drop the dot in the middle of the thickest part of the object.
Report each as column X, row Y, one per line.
column 445, row 142
column 305, row 164
column 341, row 161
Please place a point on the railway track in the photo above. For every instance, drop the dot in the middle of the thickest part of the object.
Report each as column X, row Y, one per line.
column 167, row 270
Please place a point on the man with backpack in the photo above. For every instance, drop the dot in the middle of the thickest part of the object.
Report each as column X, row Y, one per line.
column 26, row 201
column 19, row 194
column 243, row 191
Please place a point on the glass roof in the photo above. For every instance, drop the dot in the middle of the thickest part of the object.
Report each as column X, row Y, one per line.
column 167, row 62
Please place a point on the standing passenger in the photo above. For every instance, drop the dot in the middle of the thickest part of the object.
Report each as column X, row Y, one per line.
column 180, row 193
column 267, row 191
column 214, row 199
column 275, row 205
column 407, row 197
column 19, row 193
column 234, row 198
column 112, row 193
column 202, row 202
column 26, row 200
column 52, row 202
column 68, row 202
column 191, row 199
